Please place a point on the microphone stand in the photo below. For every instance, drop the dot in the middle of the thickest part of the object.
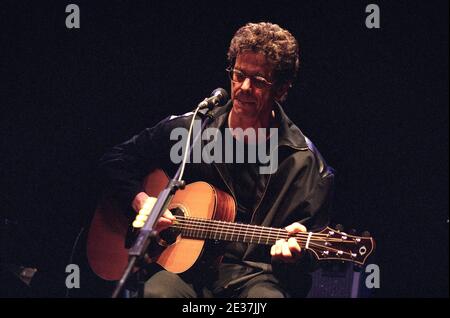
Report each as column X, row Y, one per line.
column 147, row 232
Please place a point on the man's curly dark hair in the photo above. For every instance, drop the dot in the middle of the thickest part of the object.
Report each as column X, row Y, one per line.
column 276, row 43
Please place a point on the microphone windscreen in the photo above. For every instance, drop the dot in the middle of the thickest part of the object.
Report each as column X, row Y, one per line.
column 221, row 94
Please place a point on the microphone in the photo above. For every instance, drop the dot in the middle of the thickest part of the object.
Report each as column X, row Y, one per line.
column 219, row 97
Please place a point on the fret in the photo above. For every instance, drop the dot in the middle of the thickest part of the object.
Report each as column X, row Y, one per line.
column 268, row 236
column 224, row 230
column 203, row 230
column 245, row 233
column 284, row 234
column 183, row 230
column 189, row 228
column 212, row 230
column 260, row 234
column 238, row 226
column 253, row 232
column 232, row 231
column 186, row 230
column 218, row 228
column 209, row 232
column 215, row 232
column 220, row 232
column 195, row 229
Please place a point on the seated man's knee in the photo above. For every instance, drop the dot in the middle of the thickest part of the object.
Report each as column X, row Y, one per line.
column 155, row 291
column 164, row 284
column 264, row 291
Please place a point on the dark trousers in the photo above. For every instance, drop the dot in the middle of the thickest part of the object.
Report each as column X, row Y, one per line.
column 164, row 284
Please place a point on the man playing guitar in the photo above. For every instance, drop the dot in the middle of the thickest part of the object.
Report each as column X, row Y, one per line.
column 263, row 63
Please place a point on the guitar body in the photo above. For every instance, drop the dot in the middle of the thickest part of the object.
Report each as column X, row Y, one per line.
column 106, row 251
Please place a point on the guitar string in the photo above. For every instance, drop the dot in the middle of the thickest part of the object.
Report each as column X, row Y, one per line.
column 263, row 237
column 301, row 241
column 316, row 245
column 230, row 224
column 197, row 224
column 231, row 229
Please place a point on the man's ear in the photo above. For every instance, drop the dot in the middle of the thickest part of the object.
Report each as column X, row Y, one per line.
column 281, row 91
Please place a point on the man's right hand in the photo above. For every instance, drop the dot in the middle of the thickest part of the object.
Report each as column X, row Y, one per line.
column 165, row 221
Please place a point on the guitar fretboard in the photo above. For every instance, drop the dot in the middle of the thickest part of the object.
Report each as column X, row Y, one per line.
column 327, row 244
column 226, row 231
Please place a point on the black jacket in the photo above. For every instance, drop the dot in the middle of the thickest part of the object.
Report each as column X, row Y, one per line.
column 300, row 190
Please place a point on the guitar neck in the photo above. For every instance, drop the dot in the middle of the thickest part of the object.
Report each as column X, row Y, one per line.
column 326, row 244
column 205, row 229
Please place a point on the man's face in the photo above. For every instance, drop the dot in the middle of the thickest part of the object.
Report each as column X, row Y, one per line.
column 250, row 101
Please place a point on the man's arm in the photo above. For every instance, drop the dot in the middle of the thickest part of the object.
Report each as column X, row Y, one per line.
column 318, row 203
column 123, row 168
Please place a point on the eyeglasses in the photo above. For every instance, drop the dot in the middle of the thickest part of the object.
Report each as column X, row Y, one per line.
column 237, row 76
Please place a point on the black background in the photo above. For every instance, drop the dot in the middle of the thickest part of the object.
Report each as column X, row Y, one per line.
column 374, row 101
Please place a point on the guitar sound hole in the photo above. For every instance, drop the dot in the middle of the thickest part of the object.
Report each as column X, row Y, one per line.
column 169, row 236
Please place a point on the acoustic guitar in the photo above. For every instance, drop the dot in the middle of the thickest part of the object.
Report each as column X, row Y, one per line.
column 204, row 217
